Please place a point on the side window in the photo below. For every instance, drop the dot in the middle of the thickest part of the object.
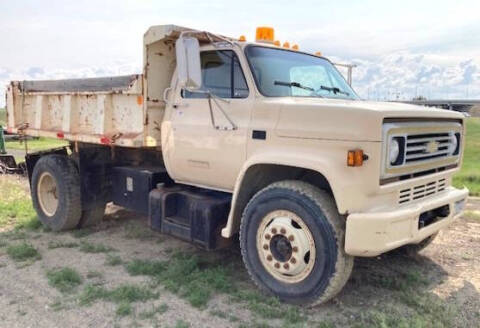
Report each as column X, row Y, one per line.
column 221, row 75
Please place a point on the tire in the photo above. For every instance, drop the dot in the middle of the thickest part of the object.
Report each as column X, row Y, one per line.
column 92, row 216
column 55, row 191
column 267, row 221
column 413, row 249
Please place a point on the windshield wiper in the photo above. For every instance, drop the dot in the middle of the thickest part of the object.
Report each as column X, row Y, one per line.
column 293, row 84
column 334, row 90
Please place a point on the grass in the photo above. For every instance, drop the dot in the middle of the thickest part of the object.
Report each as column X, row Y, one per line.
column 123, row 296
column 184, row 276
column 64, row 279
column 3, row 117
column 23, row 252
column 16, row 209
column 469, row 174
column 137, row 231
column 36, row 144
column 197, row 280
column 149, row 314
column 87, row 247
column 473, row 215
column 61, row 244
column 113, row 260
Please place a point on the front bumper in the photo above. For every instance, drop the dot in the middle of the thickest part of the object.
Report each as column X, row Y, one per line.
column 371, row 234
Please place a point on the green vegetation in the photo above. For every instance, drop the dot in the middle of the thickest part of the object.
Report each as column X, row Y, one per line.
column 36, row 144
column 64, row 279
column 197, row 280
column 149, row 314
column 185, row 275
column 16, row 209
column 469, row 175
column 94, row 274
column 123, row 296
column 134, row 230
column 23, row 252
column 113, row 260
column 61, row 244
column 182, row 324
column 3, row 117
column 87, row 247
column 473, row 215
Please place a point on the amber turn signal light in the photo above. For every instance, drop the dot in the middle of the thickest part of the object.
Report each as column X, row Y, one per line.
column 356, row 157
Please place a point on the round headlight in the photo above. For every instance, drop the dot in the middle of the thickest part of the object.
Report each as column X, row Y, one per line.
column 394, row 151
column 453, row 144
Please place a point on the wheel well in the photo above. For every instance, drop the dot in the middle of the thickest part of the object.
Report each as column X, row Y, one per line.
column 259, row 176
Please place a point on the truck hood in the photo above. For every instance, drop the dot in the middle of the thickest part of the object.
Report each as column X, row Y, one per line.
column 338, row 119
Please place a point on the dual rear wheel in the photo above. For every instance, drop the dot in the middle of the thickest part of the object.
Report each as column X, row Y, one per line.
column 55, row 190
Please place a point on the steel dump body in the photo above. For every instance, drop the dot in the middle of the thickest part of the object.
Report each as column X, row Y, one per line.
column 99, row 110
column 122, row 110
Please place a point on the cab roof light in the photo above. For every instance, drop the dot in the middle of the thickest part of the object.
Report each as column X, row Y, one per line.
column 277, row 43
column 295, row 47
column 242, row 38
column 318, row 53
column 265, row 34
column 286, row 44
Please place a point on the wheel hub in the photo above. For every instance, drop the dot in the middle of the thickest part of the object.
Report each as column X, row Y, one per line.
column 286, row 247
column 47, row 194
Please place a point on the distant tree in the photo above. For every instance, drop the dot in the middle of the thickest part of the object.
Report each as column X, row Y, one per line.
column 419, row 98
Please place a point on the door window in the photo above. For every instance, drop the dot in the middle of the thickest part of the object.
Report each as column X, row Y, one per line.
column 222, row 75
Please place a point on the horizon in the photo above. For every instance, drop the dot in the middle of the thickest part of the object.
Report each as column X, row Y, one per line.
column 401, row 51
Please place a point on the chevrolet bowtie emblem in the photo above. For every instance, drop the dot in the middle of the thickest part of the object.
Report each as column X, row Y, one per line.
column 432, row 147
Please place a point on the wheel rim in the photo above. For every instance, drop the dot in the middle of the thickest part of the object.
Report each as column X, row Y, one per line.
column 47, row 194
column 286, row 246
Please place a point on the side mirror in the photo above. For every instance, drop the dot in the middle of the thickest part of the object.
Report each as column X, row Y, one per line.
column 188, row 63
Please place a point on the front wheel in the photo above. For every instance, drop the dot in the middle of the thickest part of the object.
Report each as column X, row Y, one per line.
column 292, row 241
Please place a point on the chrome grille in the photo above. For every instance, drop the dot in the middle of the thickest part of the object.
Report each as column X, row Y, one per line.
column 420, row 147
column 421, row 191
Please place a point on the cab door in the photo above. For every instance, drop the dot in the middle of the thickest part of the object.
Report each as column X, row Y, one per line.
column 206, row 149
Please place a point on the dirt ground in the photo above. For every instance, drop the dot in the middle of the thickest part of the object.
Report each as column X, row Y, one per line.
column 437, row 288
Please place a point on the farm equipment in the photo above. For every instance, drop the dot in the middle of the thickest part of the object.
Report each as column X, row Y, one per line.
column 8, row 164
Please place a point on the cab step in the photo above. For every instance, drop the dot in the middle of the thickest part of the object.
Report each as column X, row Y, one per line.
column 191, row 214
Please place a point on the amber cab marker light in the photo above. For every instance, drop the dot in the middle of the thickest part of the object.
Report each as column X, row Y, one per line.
column 356, row 157
column 318, row 53
column 242, row 38
column 286, row 44
column 295, row 47
column 265, row 34
column 277, row 43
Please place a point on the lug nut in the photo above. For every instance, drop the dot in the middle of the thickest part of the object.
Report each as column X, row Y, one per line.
column 267, row 236
column 265, row 247
column 277, row 265
column 295, row 249
column 290, row 238
column 286, row 266
column 269, row 257
column 274, row 231
column 293, row 260
column 283, row 231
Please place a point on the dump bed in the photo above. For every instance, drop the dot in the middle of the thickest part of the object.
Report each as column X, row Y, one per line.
column 122, row 110
column 98, row 110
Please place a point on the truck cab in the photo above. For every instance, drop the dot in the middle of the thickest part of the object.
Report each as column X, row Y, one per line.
column 220, row 137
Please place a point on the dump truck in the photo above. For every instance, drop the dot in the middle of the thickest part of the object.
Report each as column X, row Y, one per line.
column 222, row 138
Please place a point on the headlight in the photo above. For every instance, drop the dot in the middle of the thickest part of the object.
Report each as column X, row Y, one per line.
column 452, row 149
column 394, row 151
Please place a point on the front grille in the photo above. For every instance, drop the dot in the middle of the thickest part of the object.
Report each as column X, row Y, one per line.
column 421, row 147
column 421, row 191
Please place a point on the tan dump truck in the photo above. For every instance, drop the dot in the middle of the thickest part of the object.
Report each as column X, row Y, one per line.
column 220, row 137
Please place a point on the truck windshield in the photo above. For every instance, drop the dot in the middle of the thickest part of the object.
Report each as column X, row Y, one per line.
column 285, row 73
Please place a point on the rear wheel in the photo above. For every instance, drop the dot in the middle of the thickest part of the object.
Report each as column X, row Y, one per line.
column 55, row 191
column 92, row 216
column 292, row 241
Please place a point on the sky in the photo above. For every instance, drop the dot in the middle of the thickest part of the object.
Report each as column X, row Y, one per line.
column 402, row 49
